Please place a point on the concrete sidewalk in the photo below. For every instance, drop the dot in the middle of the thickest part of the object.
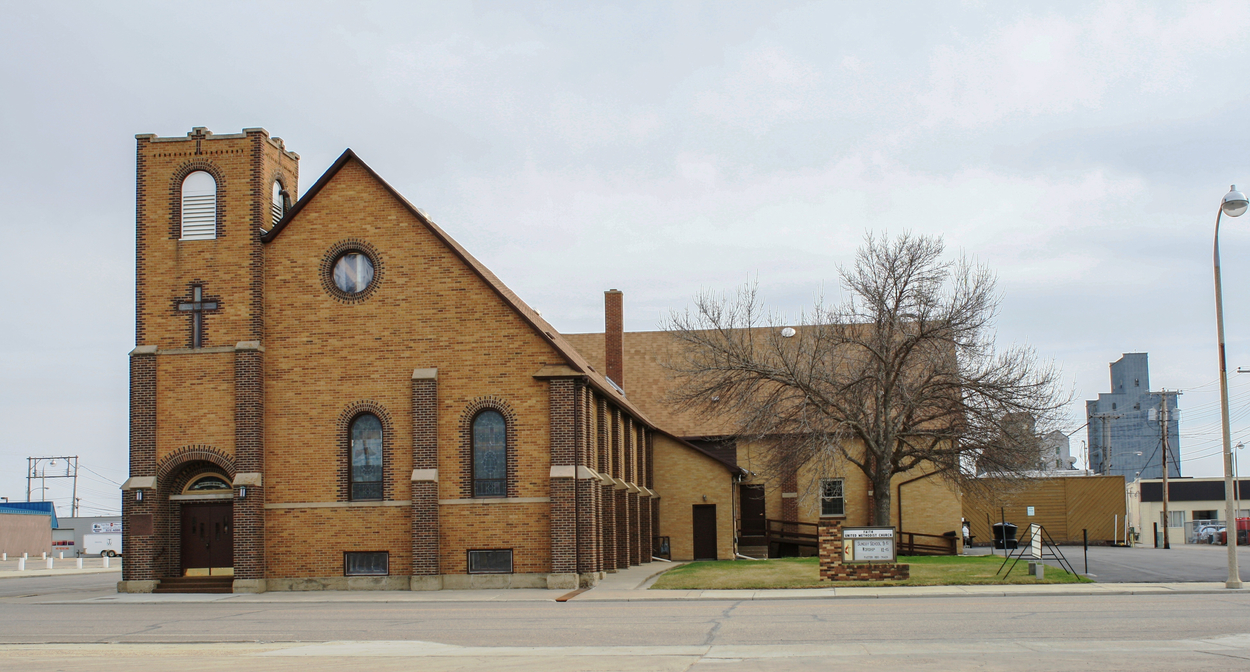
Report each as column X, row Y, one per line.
column 607, row 594
column 59, row 571
column 632, row 585
column 61, row 566
column 862, row 592
column 598, row 595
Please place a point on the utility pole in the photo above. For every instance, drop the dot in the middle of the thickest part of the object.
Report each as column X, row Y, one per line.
column 1163, row 430
column 1106, row 437
column 37, row 468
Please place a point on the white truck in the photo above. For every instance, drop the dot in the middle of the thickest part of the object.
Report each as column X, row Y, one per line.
column 103, row 544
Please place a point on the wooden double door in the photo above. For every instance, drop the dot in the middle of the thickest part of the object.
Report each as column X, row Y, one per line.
column 207, row 536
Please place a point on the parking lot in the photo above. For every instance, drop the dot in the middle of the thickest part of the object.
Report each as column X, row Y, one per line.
column 1183, row 563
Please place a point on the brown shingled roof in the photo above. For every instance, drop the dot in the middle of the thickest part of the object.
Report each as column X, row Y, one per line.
column 647, row 382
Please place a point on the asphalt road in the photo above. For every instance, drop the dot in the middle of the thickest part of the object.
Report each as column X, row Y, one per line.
column 1129, row 632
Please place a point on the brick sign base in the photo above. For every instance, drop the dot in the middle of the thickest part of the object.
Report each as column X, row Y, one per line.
column 833, row 569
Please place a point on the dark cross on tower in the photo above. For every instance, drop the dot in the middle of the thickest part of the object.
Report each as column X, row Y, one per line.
column 198, row 133
column 196, row 307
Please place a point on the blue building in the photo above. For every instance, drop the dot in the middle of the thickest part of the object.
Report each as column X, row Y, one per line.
column 1125, row 432
column 33, row 508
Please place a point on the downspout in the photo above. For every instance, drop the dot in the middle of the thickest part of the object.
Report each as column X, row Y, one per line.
column 733, row 511
column 579, row 441
column 900, row 495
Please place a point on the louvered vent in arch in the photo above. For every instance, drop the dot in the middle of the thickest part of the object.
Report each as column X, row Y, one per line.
column 199, row 206
column 275, row 205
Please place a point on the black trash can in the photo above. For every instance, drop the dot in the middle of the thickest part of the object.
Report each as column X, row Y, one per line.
column 1004, row 535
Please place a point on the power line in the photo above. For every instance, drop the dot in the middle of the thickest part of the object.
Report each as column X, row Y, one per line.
column 100, row 475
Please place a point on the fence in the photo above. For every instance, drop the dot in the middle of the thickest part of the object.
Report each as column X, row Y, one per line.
column 1064, row 505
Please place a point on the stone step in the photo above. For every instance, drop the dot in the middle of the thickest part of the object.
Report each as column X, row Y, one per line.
column 196, row 584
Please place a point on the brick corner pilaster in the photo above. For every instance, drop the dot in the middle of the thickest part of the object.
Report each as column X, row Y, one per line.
column 425, row 524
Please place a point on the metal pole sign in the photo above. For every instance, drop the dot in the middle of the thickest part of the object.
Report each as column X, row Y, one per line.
column 868, row 544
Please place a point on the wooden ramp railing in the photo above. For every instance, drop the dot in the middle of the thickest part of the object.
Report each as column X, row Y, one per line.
column 915, row 543
column 805, row 535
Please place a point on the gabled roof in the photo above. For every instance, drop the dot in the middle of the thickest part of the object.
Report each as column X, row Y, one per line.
column 649, row 383
column 572, row 358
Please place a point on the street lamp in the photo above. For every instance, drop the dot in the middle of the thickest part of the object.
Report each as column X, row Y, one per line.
column 1233, row 205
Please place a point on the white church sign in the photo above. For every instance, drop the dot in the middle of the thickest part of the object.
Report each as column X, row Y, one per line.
column 868, row 544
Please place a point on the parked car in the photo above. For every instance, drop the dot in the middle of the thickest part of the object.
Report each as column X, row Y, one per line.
column 1209, row 534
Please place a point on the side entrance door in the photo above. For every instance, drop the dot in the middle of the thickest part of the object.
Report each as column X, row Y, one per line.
column 753, row 515
column 704, row 524
column 207, row 536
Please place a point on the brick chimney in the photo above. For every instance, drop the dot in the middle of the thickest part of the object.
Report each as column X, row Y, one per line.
column 614, row 336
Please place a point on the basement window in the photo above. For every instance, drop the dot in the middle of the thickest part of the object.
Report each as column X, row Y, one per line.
column 493, row 561
column 367, row 563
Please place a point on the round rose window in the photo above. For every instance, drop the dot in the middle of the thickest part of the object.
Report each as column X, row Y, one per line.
column 353, row 272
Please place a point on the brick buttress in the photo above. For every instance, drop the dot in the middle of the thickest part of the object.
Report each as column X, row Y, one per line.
column 564, row 435
column 142, row 546
column 249, row 432
column 425, row 472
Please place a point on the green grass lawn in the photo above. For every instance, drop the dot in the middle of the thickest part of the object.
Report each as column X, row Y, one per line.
column 804, row 573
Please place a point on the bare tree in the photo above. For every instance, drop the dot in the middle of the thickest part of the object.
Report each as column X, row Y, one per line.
column 903, row 374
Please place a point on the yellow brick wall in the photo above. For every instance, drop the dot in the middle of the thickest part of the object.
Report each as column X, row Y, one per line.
column 524, row 528
column 304, row 543
column 195, row 402
column 930, row 506
column 429, row 310
column 683, row 477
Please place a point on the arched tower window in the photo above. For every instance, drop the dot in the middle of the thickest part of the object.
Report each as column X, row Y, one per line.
column 490, row 455
column 276, row 205
column 366, row 457
column 199, row 206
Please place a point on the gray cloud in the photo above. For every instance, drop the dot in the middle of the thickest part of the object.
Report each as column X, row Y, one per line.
column 658, row 148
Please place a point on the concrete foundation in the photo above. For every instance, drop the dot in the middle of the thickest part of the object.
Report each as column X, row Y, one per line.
column 249, row 585
column 136, row 586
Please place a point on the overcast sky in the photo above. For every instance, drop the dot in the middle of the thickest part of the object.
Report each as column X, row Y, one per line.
column 1080, row 151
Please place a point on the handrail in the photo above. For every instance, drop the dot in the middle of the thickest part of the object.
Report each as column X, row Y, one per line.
column 908, row 543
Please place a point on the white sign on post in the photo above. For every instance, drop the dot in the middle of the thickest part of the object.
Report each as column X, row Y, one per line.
column 1035, row 535
column 868, row 544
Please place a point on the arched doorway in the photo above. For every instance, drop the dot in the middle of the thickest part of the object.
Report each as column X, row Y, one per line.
column 205, row 518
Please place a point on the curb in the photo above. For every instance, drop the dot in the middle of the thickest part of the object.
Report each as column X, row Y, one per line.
column 930, row 596
column 379, row 597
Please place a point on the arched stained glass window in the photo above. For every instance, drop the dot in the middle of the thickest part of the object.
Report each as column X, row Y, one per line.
column 366, row 440
column 199, row 206
column 211, row 482
column 490, row 455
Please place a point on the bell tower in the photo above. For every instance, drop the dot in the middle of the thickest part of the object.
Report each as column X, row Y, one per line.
column 202, row 203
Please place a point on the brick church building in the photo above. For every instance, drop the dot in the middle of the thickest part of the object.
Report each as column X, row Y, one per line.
column 329, row 392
